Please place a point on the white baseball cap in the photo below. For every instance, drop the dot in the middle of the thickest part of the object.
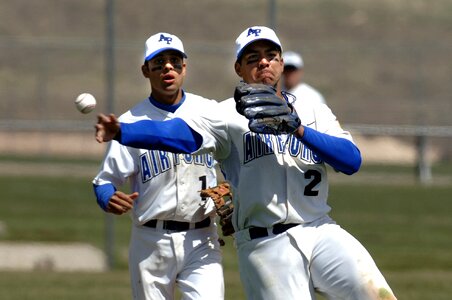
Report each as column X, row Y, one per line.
column 253, row 34
column 160, row 42
column 292, row 59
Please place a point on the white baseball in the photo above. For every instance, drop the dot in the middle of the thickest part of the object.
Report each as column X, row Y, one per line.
column 85, row 103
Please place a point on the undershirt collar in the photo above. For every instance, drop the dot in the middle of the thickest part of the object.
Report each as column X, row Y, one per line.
column 166, row 107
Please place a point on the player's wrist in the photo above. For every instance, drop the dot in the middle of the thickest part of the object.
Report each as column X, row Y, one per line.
column 299, row 133
column 118, row 135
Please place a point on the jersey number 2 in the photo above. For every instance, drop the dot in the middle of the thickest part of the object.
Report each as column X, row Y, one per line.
column 316, row 178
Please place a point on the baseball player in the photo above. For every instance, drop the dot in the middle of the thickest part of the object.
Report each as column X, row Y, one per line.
column 174, row 240
column 274, row 153
column 293, row 79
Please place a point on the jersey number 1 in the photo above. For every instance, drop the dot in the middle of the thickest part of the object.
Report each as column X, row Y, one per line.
column 203, row 180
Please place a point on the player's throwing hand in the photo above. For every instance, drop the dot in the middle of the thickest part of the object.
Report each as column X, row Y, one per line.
column 107, row 128
column 120, row 202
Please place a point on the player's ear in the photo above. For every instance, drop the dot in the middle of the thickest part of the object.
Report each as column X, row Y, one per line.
column 237, row 68
column 145, row 70
column 184, row 67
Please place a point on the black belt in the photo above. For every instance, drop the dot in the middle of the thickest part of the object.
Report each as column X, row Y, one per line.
column 260, row 232
column 178, row 226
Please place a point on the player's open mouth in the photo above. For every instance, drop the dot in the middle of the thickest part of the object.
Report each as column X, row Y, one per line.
column 168, row 79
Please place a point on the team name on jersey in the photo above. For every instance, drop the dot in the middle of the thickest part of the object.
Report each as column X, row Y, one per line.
column 154, row 162
column 257, row 145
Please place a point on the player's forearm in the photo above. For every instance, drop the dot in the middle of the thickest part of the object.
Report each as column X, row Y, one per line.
column 340, row 153
column 103, row 194
column 172, row 135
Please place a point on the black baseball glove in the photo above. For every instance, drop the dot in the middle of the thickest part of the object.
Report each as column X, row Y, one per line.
column 266, row 112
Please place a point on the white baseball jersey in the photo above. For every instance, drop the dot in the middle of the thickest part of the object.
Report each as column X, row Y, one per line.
column 277, row 179
column 168, row 184
column 296, row 193
column 306, row 93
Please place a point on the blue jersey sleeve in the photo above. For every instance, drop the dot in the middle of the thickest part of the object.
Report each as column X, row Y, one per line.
column 340, row 153
column 103, row 194
column 172, row 135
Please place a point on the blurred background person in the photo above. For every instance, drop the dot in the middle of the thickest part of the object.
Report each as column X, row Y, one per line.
column 293, row 79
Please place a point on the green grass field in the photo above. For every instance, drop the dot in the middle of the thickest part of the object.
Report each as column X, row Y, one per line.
column 407, row 228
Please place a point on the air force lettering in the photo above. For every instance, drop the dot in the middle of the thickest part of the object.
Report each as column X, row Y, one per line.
column 154, row 163
column 256, row 145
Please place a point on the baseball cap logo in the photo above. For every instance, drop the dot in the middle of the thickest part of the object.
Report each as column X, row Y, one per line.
column 168, row 39
column 254, row 31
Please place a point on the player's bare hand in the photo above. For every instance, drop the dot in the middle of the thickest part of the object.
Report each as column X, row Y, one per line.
column 120, row 203
column 107, row 128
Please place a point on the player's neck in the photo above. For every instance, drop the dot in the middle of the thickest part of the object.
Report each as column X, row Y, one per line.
column 167, row 99
column 278, row 89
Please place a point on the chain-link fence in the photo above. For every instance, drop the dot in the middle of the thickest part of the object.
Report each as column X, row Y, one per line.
column 378, row 64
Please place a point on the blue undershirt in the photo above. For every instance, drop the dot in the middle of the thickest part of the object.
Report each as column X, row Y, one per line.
column 340, row 153
column 103, row 194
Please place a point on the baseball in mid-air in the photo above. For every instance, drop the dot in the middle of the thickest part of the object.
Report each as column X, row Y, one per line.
column 85, row 103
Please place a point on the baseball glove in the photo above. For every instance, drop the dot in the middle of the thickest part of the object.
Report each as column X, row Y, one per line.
column 222, row 198
column 266, row 112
